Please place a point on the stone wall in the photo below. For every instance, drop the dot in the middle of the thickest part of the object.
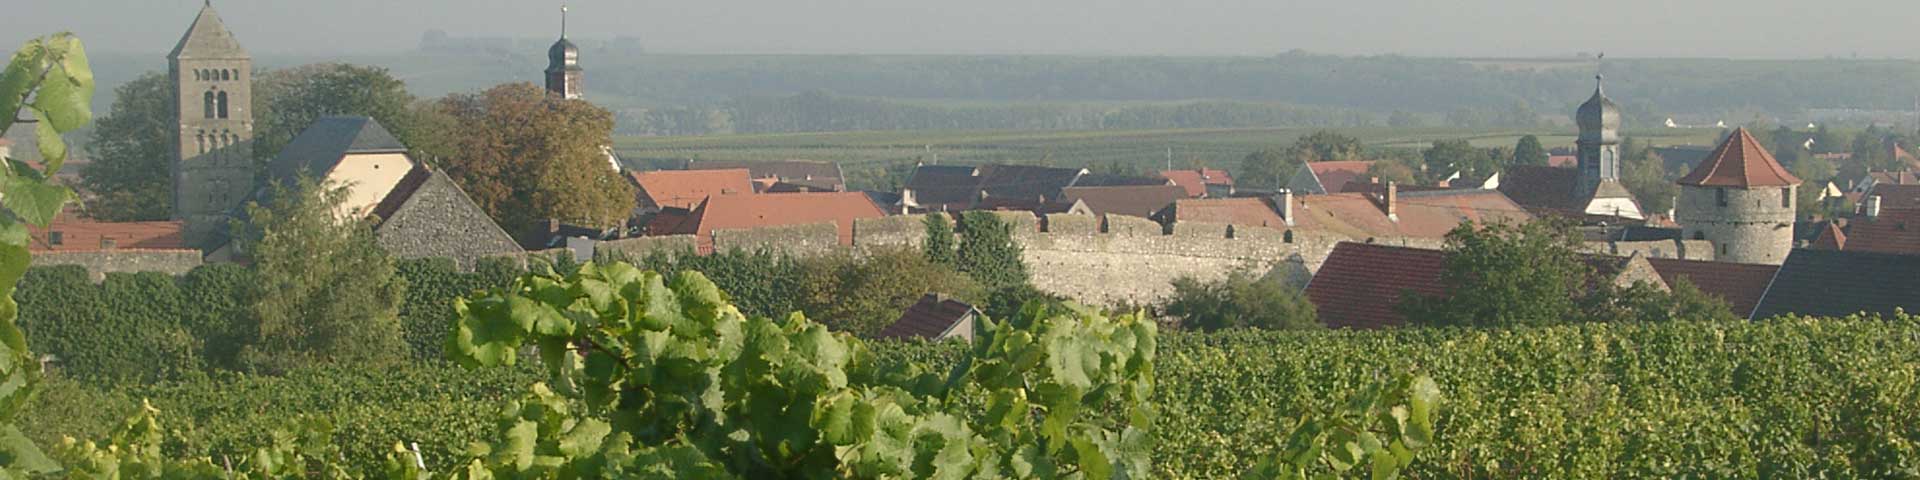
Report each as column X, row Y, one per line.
column 1681, row 249
column 99, row 264
column 809, row 239
column 638, row 247
column 1754, row 226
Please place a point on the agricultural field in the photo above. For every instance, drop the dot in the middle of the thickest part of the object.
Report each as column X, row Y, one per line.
column 1142, row 149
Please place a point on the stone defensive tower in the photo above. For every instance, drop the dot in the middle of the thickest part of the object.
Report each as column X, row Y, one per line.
column 1742, row 200
column 213, row 168
column 563, row 64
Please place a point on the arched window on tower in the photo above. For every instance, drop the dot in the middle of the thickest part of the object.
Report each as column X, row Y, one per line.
column 200, row 140
column 209, row 104
column 224, row 76
column 223, row 104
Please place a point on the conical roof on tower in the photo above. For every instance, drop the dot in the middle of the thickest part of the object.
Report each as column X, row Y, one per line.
column 208, row 38
column 1598, row 114
column 1740, row 162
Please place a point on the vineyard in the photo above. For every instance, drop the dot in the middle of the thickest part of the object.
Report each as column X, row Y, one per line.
column 1792, row 398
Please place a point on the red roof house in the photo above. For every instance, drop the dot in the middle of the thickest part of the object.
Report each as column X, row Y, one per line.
column 738, row 212
column 1198, row 181
column 1740, row 162
column 1362, row 285
column 91, row 236
column 687, row 188
column 1322, row 178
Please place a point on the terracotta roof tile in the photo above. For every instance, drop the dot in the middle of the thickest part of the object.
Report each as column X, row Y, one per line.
column 783, row 170
column 1831, row 237
column 1196, row 181
column 725, row 212
column 686, row 188
column 1139, row 201
column 1361, row 285
column 90, row 236
column 1896, row 230
column 1245, row 211
column 1563, row 161
column 928, row 318
column 1334, row 176
column 1740, row 285
column 1897, row 195
column 1740, row 162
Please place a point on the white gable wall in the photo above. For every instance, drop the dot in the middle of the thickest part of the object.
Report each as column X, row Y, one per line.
column 368, row 178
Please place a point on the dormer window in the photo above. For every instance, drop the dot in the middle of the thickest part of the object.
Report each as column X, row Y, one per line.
column 56, row 238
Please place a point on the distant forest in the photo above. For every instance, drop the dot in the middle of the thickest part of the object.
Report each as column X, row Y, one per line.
column 703, row 94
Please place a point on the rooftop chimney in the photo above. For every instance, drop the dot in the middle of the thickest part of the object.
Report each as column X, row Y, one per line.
column 1873, row 207
column 1393, row 201
column 1285, row 200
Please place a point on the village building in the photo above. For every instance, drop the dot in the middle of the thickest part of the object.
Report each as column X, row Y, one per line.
column 947, row 188
column 1831, row 283
column 1592, row 188
column 934, row 317
column 107, row 247
column 783, row 176
column 1135, row 201
column 1202, row 182
column 1321, row 178
column 213, row 167
column 835, row 211
column 1742, row 200
column 1357, row 216
column 685, row 189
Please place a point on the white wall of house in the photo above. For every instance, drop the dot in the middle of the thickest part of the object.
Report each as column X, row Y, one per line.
column 368, row 178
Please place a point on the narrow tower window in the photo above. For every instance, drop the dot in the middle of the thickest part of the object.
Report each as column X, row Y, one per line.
column 1720, row 196
column 1786, row 197
column 209, row 104
column 223, row 110
column 224, row 76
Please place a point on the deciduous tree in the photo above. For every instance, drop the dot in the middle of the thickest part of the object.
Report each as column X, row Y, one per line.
column 132, row 148
column 1241, row 300
column 1507, row 275
column 525, row 155
column 1529, row 152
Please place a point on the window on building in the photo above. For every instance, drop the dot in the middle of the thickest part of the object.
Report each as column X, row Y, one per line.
column 223, row 104
column 1723, row 248
column 1287, row 237
column 1699, row 235
column 225, row 76
column 107, row 243
column 56, row 238
column 1720, row 196
column 209, row 104
column 1786, row 197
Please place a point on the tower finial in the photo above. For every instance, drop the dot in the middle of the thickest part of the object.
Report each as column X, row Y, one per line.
column 563, row 20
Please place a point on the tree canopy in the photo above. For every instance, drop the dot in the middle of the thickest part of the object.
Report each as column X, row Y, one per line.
column 1241, row 300
column 132, row 150
column 524, row 155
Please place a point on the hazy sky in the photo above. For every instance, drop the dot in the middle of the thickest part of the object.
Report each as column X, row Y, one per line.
column 1625, row 28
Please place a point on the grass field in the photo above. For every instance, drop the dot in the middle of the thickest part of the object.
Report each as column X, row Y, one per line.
column 1143, row 149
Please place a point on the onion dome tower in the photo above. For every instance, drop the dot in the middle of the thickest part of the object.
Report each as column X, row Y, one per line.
column 563, row 64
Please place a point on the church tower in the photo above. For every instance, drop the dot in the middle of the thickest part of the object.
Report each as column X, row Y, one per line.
column 1742, row 200
column 213, row 168
column 1599, row 189
column 563, row 64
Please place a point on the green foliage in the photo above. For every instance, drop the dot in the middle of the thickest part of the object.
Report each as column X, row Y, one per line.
column 1267, row 168
column 287, row 101
column 863, row 293
column 1008, row 302
column 1377, row 429
column 988, row 253
column 1448, row 157
column 125, row 329
column 761, row 283
column 676, row 376
column 217, row 311
column 432, row 285
column 1241, row 300
column 1645, row 175
column 326, row 291
column 526, row 155
column 1507, row 275
column 1528, row 151
column 129, row 147
column 939, row 248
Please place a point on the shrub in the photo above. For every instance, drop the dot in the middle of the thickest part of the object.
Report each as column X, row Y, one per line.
column 1240, row 300
column 862, row 294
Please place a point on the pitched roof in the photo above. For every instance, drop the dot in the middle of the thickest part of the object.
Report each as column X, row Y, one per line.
column 1897, row 195
column 1739, row 284
column 1246, row 211
column 1361, row 285
column 1543, row 189
column 687, row 188
column 725, row 212
column 319, row 148
column 944, row 185
column 1334, row 176
column 91, row 236
column 1196, row 181
column 1839, row 283
column 1111, row 180
column 1027, row 181
column 1421, row 214
column 933, row 317
column 785, row 170
column 1139, row 201
column 1896, row 230
column 1739, row 161
column 432, row 216
column 402, row 191
column 208, row 38
column 950, row 186
column 1831, row 237
column 1563, row 161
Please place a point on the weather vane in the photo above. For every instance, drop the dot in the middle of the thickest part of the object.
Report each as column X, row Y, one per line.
column 563, row 20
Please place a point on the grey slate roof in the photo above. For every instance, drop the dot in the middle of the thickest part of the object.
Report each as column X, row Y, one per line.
column 437, row 219
column 321, row 146
column 785, row 170
column 208, row 38
column 1840, row 283
column 962, row 186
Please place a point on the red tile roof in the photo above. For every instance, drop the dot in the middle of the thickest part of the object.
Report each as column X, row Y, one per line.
column 1896, row 230
column 1425, row 214
column 1334, row 176
column 1740, row 162
column 90, row 236
column 686, row 188
column 726, row 212
column 1196, row 181
column 1830, row 238
column 1247, row 211
column 1740, row 285
column 1897, row 195
column 1563, row 161
column 933, row 315
column 1361, row 285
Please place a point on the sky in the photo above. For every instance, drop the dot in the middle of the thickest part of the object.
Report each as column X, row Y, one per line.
column 1440, row 28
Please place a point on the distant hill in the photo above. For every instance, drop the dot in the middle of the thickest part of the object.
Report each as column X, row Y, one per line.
column 691, row 93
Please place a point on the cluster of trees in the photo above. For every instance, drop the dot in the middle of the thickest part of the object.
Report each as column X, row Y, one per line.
column 1444, row 159
column 519, row 153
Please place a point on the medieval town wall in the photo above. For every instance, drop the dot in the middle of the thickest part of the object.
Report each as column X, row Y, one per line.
column 99, row 264
column 809, row 239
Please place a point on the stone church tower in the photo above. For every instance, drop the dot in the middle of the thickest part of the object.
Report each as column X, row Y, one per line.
column 213, row 168
column 1742, row 200
column 1599, row 188
column 563, row 64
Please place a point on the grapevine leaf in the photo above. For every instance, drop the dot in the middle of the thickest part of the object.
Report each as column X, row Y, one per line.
column 585, row 438
column 520, row 441
column 53, row 148
column 36, row 202
column 1092, row 461
column 18, row 453
column 833, row 417
column 17, row 80
column 66, row 96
